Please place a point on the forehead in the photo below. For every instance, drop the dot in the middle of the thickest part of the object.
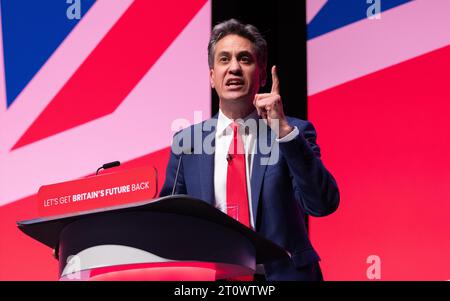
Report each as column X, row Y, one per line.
column 234, row 43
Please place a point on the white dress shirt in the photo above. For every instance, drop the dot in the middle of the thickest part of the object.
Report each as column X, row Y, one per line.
column 223, row 138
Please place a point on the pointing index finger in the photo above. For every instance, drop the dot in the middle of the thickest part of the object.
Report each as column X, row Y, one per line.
column 275, row 81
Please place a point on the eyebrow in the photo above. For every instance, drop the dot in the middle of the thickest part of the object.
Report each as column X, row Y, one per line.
column 245, row 52
column 241, row 53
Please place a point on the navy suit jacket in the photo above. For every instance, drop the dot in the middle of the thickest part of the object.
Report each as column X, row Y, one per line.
column 282, row 193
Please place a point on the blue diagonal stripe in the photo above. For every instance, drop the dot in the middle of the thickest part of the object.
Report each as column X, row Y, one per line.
column 32, row 31
column 339, row 13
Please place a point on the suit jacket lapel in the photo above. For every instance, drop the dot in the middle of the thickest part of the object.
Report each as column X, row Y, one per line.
column 264, row 144
column 206, row 159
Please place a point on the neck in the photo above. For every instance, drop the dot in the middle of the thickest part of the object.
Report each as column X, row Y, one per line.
column 235, row 109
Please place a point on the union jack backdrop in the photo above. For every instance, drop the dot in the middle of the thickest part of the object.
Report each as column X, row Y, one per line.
column 379, row 97
column 88, row 82
column 79, row 92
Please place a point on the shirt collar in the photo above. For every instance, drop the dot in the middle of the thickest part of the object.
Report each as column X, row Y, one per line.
column 223, row 122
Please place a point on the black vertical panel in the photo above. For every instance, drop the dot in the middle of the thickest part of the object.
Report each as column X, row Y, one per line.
column 283, row 25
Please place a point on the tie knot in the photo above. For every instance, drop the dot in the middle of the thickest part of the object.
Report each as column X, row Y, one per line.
column 234, row 127
column 238, row 129
column 236, row 146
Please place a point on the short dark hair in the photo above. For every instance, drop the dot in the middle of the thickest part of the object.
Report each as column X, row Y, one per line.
column 247, row 31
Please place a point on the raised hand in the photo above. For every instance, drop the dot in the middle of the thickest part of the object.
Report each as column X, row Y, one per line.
column 270, row 107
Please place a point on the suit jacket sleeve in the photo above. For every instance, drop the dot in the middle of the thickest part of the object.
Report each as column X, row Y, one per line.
column 314, row 185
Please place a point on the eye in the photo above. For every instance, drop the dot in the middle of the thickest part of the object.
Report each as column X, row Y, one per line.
column 246, row 59
column 223, row 59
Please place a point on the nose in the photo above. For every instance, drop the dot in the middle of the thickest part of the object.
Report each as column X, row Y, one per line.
column 235, row 67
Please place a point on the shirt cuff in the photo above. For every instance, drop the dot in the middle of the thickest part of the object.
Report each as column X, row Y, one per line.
column 289, row 137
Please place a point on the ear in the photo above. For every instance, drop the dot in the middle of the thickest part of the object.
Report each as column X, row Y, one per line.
column 211, row 77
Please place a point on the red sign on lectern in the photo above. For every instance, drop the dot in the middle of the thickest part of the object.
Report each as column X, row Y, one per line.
column 95, row 192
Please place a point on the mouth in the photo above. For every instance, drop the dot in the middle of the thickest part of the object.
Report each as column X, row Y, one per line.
column 234, row 83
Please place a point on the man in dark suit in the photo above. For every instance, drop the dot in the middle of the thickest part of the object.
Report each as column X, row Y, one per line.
column 250, row 160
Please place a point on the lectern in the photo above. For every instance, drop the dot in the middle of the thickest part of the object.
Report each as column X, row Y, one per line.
column 170, row 238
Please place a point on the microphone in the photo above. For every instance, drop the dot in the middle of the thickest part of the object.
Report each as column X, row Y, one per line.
column 108, row 165
column 229, row 158
column 188, row 151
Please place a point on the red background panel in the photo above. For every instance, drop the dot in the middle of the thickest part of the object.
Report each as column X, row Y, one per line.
column 386, row 139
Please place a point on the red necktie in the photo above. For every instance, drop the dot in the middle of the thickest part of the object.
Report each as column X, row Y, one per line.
column 237, row 197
